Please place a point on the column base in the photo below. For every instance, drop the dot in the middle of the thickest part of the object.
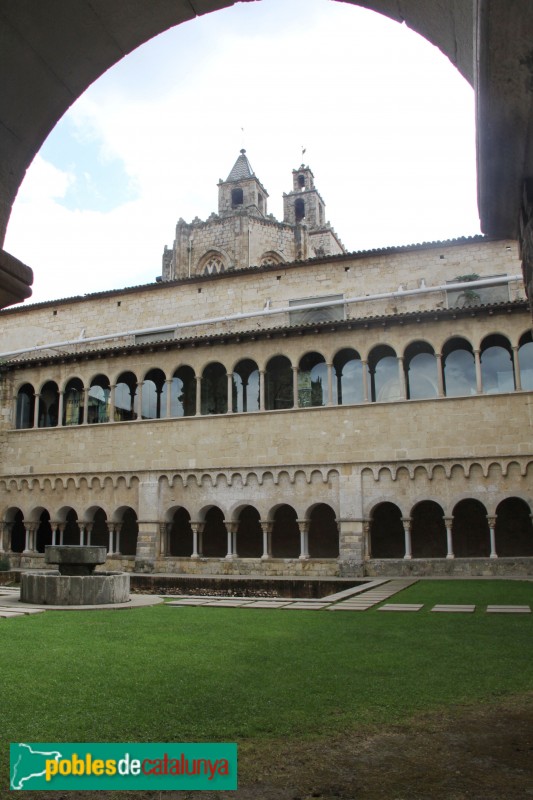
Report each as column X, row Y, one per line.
column 450, row 556
column 303, row 558
column 407, row 558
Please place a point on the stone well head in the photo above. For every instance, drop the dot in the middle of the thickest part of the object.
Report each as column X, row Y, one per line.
column 75, row 559
column 74, row 583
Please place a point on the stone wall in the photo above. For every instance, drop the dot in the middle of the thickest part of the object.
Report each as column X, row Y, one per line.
column 158, row 305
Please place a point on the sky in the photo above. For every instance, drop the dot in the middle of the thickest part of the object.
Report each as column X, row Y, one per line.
column 386, row 122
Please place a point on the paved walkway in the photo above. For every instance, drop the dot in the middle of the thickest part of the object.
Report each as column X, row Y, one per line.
column 356, row 598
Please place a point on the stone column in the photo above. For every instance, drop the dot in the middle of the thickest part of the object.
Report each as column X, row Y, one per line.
column 60, row 409
column 440, row 375
column 3, row 531
column 448, row 521
column 261, row 390
column 479, row 380
column 88, row 533
column 295, row 387
column 365, row 380
column 117, row 528
column 112, row 388
column 85, row 405
column 197, row 528
column 516, row 367
column 82, row 534
column 231, row 528
column 61, row 527
column 110, row 531
column 164, row 539
column 492, row 534
column 329, row 366
column 401, row 378
column 229, row 409
column 36, row 401
column 367, row 540
column 168, row 383
column 407, row 529
column 198, row 379
column 266, row 527
column 53, row 526
column 303, row 524
column 29, row 538
column 140, row 385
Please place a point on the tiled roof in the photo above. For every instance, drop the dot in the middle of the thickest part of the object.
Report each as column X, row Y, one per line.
column 241, row 169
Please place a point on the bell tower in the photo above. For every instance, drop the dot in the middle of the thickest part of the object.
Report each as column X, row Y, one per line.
column 242, row 191
column 304, row 205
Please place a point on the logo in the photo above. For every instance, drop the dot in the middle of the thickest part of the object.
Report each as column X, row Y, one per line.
column 98, row 766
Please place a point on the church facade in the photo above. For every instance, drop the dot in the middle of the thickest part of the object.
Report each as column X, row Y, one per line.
column 275, row 405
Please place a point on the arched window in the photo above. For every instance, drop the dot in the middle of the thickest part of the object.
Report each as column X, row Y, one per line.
column 215, row 535
column 285, row 533
column 73, row 403
column 98, row 400
column 180, row 539
column 126, row 397
column 428, row 531
column 129, row 532
column 154, row 395
column 312, row 381
column 348, row 384
column 514, row 531
column 387, row 535
column 249, row 534
column 421, row 371
column 183, row 393
column 43, row 534
column 525, row 360
column 245, row 386
column 459, row 368
column 470, row 530
column 214, row 389
column 299, row 210
column 71, row 531
column 278, row 384
column 17, row 531
column 237, row 197
column 25, row 407
column 213, row 264
column 323, row 532
column 497, row 373
column 100, row 530
column 384, row 376
column 48, row 405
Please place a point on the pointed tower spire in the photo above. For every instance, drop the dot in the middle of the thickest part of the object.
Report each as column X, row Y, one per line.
column 241, row 169
column 242, row 190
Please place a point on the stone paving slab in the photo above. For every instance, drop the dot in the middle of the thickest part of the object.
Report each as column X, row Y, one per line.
column 268, row 604
column 193, row 601
column 401, row 607
column 454, row 609
column 223, row 603
column 4, row 614
column 306, row 606
column 508, row 610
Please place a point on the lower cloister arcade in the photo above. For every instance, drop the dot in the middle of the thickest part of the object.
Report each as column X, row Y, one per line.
column 32, row 534
column 246, row 535
column 469, row 532
column 349, row 377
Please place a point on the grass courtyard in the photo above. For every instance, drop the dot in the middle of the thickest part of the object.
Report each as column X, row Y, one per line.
column 256, row 676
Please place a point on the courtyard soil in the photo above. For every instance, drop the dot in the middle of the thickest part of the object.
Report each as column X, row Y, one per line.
column 474, row 753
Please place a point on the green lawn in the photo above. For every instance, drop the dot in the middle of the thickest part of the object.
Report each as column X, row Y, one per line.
column 201, row 674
